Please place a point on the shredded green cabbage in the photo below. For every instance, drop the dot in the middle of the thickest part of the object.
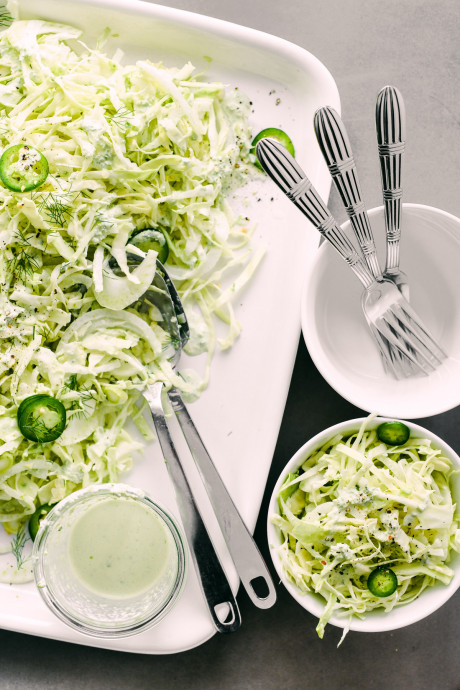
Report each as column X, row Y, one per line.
column 357, row 503
column 128, row 147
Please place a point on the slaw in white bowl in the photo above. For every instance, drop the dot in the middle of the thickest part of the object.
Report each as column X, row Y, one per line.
column 378, row 619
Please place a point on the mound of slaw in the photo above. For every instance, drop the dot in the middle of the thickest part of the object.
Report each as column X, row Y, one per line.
column 128, row 147
column 356, row 504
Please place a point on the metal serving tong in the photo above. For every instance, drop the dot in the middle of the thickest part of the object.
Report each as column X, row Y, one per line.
column 211, row 574
column 248, row 561
column 384, row 306
column 246, row 557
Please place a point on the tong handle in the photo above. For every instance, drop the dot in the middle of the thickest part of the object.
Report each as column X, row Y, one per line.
column 248, row 561
column 291, row 179
column 211, row 575
column 390, row 122
column 336, row 148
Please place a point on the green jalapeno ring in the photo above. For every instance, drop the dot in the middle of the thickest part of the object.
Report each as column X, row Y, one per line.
column 272, row 133
column 393, row 433
column 41, row 418
column 35, row 520
column 151, row 238
column 23, row 168
column 382, row 582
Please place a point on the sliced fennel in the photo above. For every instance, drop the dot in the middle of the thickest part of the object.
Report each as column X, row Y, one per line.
column 128, row 147
column 116, row 292
column 358, row 503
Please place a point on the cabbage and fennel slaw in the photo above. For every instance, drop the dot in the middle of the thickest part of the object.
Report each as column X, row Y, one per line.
column 129, row 147
column 356, row 504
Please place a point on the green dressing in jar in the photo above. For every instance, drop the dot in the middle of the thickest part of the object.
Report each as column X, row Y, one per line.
column 119, row 548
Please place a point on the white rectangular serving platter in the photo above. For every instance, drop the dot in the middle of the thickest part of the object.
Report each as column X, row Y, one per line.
column 240, row 413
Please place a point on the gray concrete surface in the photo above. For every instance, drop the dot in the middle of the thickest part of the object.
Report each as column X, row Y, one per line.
column 365, row 44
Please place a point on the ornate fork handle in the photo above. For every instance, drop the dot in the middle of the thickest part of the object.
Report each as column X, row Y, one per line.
column 390, row 121
column 335, row 146
column 291, row 179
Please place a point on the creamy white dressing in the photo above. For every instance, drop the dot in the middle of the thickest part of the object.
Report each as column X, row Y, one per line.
column 27, row 157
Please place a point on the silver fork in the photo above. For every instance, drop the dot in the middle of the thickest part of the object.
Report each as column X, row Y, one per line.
column 390, row 122
column 382, row 302
column 335, row 146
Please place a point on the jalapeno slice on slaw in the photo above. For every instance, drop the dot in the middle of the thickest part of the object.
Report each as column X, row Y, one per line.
column 41, row 418
column 151, row 238
column 393, row 433
column 23, row 168
column 382, row 582
column 273, row 133
column 37, row 517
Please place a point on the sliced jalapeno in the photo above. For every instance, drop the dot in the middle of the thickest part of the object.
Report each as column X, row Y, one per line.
column 273, row 133
column 151, row 238
column 37, row 517
column 23, row 168
column 41, row 418
column 393, row 433
column 382, row 582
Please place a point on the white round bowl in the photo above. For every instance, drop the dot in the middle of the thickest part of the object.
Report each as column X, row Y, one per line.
column 429, row 601
column 337, row 335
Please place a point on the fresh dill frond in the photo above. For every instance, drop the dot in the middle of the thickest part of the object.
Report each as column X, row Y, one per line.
column 23, row 264
column 39, row 430
column 57, row 207
column 83, row 406
column 173, row 341
column 100, row 219
column 86, row 396
column 121, row 118
column 21, row 239
column 72, row 384
column 45, row 331
column 108, row 274
column 17, row 546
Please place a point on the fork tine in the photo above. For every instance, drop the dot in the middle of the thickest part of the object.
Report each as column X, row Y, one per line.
column 419, row 365
column 412, row 329
column 396, row 319
column 390, row 366
column 421, row 332
column 401, row 363
column 394, row 362
column 399, row 344
column 406, row 334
